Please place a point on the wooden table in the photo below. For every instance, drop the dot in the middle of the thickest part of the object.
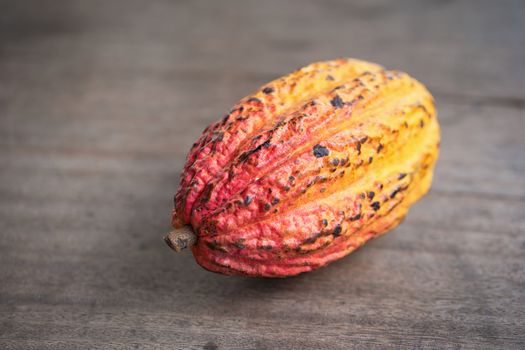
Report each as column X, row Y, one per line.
column 101, row 100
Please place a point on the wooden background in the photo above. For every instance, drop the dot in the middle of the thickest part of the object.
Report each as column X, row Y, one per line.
column 101, row 100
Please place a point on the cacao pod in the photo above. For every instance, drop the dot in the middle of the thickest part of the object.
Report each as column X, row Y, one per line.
column 306, row 170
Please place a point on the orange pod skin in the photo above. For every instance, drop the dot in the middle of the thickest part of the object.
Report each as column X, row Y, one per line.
column 307, row 169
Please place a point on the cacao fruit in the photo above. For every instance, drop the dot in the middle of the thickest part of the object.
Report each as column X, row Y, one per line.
column 306, row 170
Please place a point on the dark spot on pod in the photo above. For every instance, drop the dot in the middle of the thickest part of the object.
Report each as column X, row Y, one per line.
column 266, row 247
column 309, row 184
column 286, row 188
column 243, row 157
column 254, row 99
column 355, row 217
column 291, row 178
column 380, row 186
column 358, row 148
column 396, row 191
column 405, row 124
column 333, row 170
column 363, row 139
column 337, row 231
column 217, row 136
column 371, row 195
column 362, row 195
column 275, row 211
column 312, row 239
column 344, row 161
column 239, row 245
column 421, row 123
column 267, row 207
column 324, row 222
column 211, row 245
column 268, row 90
column 275, row 201
column 337, row 102
column 329, row 77
column 379, row 148
column 401, row 176
column 320, row 151
column 247, row 200
column 238, row 109
column 375, row 206
column 320, row 179
column 335, row 161
column 342, row 173
column 370, row 160
column 322, row 190
column 206, row 193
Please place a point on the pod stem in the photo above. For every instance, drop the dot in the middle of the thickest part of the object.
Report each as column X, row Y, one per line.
column 181, row 238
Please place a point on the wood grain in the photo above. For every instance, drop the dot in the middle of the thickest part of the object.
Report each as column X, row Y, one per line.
column 101, row 100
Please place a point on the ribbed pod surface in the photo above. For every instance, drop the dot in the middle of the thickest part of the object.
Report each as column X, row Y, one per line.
column 308, row 168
